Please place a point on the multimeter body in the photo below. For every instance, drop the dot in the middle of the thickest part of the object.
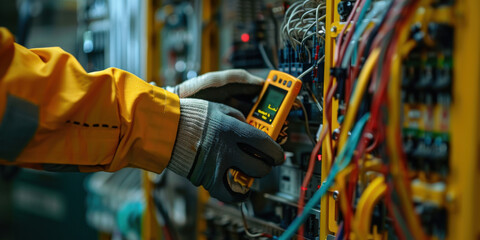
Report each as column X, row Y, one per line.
column 271, row 110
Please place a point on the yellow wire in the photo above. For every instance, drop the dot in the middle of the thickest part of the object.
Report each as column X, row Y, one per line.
column 394, row 124
column 350, row 117
column 370, row 197
column 341, row 182
column 394, row 117
column 352, row 111
column 392, row 127
column 357, row 95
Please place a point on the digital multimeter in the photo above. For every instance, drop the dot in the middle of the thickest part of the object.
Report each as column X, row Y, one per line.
column 271, row 110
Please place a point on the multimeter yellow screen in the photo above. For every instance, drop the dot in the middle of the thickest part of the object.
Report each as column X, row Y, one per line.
column 270, row 104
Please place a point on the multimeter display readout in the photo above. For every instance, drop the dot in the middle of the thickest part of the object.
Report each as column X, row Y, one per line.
column 270, row 104
column 270, row 111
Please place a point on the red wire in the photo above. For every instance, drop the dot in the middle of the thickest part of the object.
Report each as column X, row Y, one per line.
column 349, row 195
column 380, row 95
column 337, row 62
column 398, row 140
column 267, row 235
column 350, row 35
column 328, row 111
column 373, row 145
column 328, row 102
column 308, row 175
column 355, row 70
column 340, row 36
column 389, row 204
column 348, row 88
column 375, row 126
column 166, row 233
column 353, row 180
column 362, row 145
column 379, row 100
column 338, row 52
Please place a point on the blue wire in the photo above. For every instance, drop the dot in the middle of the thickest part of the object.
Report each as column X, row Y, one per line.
column 358, row 31
column 340, row 232
column 343, row 159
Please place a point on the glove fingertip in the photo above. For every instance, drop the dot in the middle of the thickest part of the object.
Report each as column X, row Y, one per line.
column 248, row 77
column 256, row 80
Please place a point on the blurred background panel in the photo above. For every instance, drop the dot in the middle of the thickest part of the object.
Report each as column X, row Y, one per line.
column 49, row 206
column 36, row 204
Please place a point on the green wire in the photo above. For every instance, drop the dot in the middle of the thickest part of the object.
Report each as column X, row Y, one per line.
column 342, row 161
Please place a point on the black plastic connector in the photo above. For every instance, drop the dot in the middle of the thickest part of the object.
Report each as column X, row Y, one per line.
column 341, row 75
column 344, row 9
column 442, row 34
column 441, row 3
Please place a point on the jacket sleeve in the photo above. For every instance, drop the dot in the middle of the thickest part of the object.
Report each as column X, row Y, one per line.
column 55, row 116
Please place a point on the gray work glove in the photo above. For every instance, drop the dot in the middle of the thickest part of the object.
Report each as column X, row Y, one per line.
column 236, row 88
column 211, row 139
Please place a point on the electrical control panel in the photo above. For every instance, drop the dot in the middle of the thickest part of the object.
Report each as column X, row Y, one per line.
column 400, row 74
column 379, row 95
column 381, row 141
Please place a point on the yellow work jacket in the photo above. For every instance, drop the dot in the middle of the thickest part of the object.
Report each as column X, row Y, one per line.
column 55, row 116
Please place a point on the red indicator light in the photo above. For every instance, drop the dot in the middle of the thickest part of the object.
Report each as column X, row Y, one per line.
column 304, row 188
column 319, row 157
column 318, row 186
column 245, row 37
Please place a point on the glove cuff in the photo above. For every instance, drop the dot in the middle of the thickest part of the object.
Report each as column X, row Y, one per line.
column 173, row 89
column 193, row 114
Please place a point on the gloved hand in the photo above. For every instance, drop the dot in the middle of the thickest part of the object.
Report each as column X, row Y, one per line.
column 236, row 88
column 211, row 139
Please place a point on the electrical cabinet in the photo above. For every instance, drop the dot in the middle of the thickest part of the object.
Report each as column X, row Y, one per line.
column 382, row 142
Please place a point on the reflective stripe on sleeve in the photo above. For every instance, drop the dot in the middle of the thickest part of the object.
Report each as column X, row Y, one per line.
column 60, row 168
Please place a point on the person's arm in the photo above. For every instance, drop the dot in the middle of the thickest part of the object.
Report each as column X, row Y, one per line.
column 55, row 116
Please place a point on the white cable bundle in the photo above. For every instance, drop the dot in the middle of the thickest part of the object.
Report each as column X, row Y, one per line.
column 303, row 20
